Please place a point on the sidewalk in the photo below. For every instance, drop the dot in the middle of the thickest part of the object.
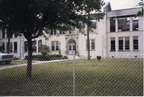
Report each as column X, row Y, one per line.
column 35, row 62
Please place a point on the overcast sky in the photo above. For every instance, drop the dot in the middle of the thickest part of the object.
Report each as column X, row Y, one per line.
column 122, row 4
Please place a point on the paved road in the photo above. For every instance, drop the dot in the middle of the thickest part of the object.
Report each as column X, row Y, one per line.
column 35, row 62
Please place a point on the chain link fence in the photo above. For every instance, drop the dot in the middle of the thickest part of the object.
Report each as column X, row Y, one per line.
column 56, row 75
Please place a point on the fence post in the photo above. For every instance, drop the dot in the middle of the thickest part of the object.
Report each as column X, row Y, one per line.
column 74, row 72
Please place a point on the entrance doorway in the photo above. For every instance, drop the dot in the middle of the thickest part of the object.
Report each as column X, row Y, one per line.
column 71, row 46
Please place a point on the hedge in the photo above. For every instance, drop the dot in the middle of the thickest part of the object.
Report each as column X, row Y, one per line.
column 47, row 57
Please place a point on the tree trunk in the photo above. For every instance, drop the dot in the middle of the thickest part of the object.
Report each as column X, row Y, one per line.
column 29, row 60
column 9, row 34
column 88, row 41
column 8, row 48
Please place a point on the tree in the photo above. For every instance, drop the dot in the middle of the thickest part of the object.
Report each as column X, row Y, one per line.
column 141, row 13
column 31, row 17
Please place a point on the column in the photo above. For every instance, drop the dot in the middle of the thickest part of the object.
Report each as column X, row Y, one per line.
column 131, row 24
column 131, row 43
column 116, row 24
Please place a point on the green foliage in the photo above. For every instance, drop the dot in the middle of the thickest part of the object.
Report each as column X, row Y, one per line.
column 44, row 50
column 47, row 57
column 141, row 12
column 30, row 17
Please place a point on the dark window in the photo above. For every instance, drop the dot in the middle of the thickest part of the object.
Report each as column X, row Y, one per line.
column 53, row 31
column 15, row 47
column 135, row 24
column 55, row 45
column 3, row 34
column 135, row 43
column 112, row 25
column 121, row 43
column 25, row 46
column 127, row 43
column 93, row 24
column 112, row 44
column 3, row 47
column 93, row 44
column 124, row 24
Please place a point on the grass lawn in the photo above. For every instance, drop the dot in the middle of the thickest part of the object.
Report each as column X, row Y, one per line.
column 109, row 77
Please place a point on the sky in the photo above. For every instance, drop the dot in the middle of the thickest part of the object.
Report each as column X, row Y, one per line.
column 122, row 4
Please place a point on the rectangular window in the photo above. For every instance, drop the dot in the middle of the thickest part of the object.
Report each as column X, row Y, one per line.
column 135, row 42
column 112, row 25
column 91, row 44
column 11, row 47
column 3, row 47
column 127, row 43
column 123, row 24
column 15, row 47
column 57, row 45
column 25, row 46
column 113, row 44
column 3, row 34
column 120, row 43
column 53, row 31
column 54, row 45
column 135, row 23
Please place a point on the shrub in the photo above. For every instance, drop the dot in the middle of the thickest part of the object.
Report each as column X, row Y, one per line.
column 46, row 57
column 44, row 50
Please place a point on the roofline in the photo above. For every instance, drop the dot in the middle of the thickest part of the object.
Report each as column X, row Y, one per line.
column 126, row 9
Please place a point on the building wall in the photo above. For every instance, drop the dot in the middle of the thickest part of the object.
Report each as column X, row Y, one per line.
column 101, row 35
column 131, row 53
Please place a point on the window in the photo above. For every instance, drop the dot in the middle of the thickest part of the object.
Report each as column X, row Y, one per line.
column 62, row 32
column 112, row 25
column 124, row 24
column 54, row 45
column 3, row 34
column 112, row 44
column 25, row 46
column 82, row 28
column 127, row 43
column 92, row 44
column 120, row 43
column 135, row 42
column 53, row 31
column 15, row 47
column 3, row 47
column 92, row 26
column 34, row 46
column 39, row 45
column 57, row 45
column 135, row 24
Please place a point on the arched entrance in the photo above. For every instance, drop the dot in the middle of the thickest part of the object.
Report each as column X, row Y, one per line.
column 71, row 46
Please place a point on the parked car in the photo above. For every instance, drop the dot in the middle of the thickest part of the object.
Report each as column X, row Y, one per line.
column 5, row 57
